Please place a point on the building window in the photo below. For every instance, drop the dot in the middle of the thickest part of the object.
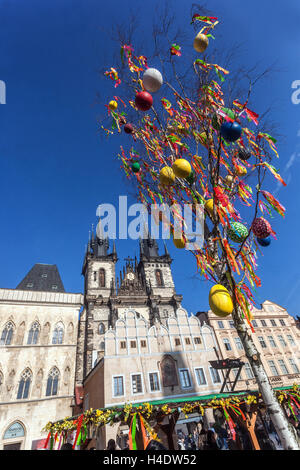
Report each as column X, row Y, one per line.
column 177, row 341
column 143, row 343
column 197, row 340
column 58, row 334
column 294, row 365
column 15, row 430
column 215, row 375
column 282, row 322
column 185, row 378
column 291, row 340
column 154, row 381
column 95, row 276
column 118, row 390
column 102, row 277
column 123, row 344
column 168, row 371
column 133, row 344
column 231, row 324
column 272, row 342
column 33, row 334
column 273, row 323
column 227, row 344
column 273, row 367
column 44, row 275
column 159, row 278
column 101, row 329
column 248, row 370
column 282, row 341
column 136, row 382
column 24, row 384
column 254, row 323
column 54, row 287
column 30, row 284
column 262, row 341
column 283, row 366
column 235, row 372
column 52, row 382
column 187, row 341
column 221, row 324
column 238, row 343
column 200, row 376
column 7, row 334
column 263, row 322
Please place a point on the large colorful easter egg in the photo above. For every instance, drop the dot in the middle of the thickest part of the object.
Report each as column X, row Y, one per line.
column 264, row 241
column 200, row 42
column 261, row 227
column 231, row 131
column 237, row 232
column 143, row 100
column 220, row 301
column 167, row 175
column 152, row 80
column 181, row 168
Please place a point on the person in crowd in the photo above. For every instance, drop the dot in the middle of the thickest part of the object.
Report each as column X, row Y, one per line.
column 189, row 442
column 211, row 442
column 181, row 445
column 66, row 446
column 111, row 445
column 202, row 439
column 155, row 445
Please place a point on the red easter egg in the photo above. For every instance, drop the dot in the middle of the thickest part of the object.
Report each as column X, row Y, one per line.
column 261, row 227
column 128, row 128
column 143, row 101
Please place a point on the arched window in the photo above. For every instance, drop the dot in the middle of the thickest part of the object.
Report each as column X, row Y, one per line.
column 52, row 382
column 159, row 278
column 102, row 277
column 33, row 334
column 101, row 329
column 58, row 334
column 24, row 384
column 7, row 333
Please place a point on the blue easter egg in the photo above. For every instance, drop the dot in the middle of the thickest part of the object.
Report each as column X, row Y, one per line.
column 231, row 131
column 264, row 241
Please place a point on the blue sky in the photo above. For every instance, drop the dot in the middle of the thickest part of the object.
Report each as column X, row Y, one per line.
column 55, row 168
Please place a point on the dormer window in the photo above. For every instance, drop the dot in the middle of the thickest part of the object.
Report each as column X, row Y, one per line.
column 54, row 287
column 44, row 275
column 30, row 284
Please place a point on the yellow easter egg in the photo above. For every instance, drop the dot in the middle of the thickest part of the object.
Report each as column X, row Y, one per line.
column 200, row 42
column 178, row 240
column 209, row 206
column 220, row 301
column 166, row 175
column 113, row 105
column 181, row 168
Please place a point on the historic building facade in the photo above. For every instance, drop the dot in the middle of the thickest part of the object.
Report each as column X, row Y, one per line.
column 143, row 363
column 38, row 337
column 276, row 336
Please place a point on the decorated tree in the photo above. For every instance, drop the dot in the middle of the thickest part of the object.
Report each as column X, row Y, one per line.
column 189, row 142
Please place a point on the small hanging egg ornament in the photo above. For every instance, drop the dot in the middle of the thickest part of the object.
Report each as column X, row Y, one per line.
column 181, row 168
column 209, row 206
column 135, row 167
column 128, row 128
column 261, row 227
column 231, row 131
column 244, row 154
column 143, row 100
column 167, row 176
column 200, row 42
column 229, row 179
column 152, row 80
column 241, row 171
column 237, row 232
column 113, row 105
column 264, row 241
column 220, row 301
column 178, row 240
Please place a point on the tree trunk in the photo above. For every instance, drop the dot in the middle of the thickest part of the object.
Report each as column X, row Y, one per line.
column 283, row 428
